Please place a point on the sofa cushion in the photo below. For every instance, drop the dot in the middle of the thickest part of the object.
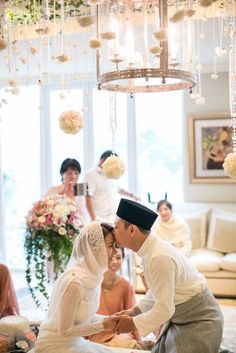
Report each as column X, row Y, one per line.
column 206, row 260
column 222, row 232
column 228, row 262
column 220, row 274
column 197, row 222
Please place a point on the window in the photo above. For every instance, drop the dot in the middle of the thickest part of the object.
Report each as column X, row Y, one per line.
column 159, row 145
column 20, row 160
column 33, row 147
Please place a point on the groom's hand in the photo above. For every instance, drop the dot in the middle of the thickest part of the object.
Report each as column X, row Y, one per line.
column 110, row 323
column 124, row 324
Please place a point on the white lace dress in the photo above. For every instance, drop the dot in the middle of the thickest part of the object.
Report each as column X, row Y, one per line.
column 78, row 309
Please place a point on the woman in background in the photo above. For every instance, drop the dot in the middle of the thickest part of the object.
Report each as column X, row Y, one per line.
column 70, row 171
column 8, row 301
column 171, row 228
column 117, row 294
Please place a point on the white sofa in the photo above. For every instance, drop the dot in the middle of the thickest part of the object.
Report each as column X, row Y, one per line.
column 213, row 231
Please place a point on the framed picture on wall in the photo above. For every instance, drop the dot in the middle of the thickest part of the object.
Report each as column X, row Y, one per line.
column 210, row 140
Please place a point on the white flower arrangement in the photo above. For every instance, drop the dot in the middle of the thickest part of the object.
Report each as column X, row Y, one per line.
column 95, row 43
column 63, row 58
column 108, row 35
column 86, row 21
column 161, row 35
column 178, row 16
column 113, row 167
column 22, row 344
column 71, row 122
column 230, row 165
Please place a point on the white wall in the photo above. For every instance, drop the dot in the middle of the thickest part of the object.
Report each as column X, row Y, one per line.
column 216, row 93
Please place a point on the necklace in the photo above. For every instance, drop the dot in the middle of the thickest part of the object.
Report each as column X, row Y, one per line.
column 108, row 286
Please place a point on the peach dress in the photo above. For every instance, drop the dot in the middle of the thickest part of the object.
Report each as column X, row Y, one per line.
column 120, row 297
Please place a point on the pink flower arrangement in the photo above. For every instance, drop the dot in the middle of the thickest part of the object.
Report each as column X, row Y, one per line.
column 71, row 122
column 52, row 225
column 54, row 212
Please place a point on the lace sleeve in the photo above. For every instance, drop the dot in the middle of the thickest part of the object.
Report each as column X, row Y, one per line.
column 67, row 315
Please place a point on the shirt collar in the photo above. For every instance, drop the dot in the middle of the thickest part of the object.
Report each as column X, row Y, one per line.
column 99, row 169
column 147, row 245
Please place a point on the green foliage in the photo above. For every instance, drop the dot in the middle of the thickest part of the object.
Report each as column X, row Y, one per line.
column 42, row 246
column 32, row 11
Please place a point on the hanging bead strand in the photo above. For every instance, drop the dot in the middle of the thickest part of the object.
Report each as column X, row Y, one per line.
column 230, row 161
column 113, row 120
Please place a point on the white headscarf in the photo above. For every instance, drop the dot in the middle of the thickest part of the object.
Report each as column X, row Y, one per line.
column 87, row 264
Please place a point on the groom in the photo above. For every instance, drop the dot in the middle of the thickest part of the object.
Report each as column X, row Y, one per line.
column 178, row 299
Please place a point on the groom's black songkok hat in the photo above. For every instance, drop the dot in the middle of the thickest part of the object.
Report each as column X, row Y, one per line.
column 137, row 214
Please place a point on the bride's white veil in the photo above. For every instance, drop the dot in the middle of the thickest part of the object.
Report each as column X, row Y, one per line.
column 87, row 264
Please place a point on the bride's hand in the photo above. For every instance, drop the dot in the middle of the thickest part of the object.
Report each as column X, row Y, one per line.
column 128, row 312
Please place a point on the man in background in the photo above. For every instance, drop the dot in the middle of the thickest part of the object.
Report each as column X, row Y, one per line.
column 102, row 199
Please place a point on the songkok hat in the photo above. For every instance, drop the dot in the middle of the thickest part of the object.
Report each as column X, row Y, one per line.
column 137, row 214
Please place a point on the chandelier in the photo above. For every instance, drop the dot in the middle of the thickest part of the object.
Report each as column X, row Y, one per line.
column 140, row 45
column 149, row 45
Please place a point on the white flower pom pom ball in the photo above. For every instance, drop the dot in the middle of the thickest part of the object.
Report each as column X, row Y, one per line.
column 71, row 122
column 230, row 165
column 113, row 167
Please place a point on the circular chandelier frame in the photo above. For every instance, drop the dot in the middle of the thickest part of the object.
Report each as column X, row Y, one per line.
column 110, row 80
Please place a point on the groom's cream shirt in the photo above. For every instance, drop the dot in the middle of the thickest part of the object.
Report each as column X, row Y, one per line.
column 171, row 279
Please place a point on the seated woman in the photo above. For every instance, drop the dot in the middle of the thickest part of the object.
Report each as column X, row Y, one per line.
column 8, row 301
column 171, row 228
column 116, row 295
column 70, row 171
column 75, row 296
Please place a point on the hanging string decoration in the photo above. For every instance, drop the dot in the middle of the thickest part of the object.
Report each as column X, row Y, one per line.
column 113, row 119
column 230, row 160
column 71, row 122
column 113, row 166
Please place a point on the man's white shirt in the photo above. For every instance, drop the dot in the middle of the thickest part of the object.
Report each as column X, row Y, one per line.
column 171, row 279
column 104, row 194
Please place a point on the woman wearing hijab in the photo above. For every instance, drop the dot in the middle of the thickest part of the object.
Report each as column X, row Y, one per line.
column 75, row 296
column 171, row 228
column 8, row 301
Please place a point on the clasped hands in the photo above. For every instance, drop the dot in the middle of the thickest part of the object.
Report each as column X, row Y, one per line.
column 119, row 323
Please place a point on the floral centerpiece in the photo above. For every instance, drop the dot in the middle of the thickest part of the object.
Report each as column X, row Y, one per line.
column 52, row 224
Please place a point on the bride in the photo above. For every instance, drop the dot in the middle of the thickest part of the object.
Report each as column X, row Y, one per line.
column 75, row 296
